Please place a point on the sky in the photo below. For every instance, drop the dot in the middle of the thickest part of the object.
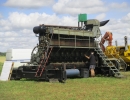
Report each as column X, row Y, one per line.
column 18, row 17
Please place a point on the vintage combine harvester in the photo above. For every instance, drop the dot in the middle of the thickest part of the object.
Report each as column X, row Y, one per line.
column 60, row 53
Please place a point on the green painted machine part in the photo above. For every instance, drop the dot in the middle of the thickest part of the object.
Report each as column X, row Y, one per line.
column 82, row 17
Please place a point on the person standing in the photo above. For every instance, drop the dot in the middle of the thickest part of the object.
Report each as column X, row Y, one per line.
column 92, row 63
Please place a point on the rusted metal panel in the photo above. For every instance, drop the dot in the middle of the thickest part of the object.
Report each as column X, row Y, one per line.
column 82, row 43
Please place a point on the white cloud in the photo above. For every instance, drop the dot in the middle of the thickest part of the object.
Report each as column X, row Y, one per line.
column 119, row 7
column 17, row 21
column 3, row 44
column 10, row 34
column 28, row 3
column 1, row 16
column 79, row 6
column 101, row 16
column 126, row 18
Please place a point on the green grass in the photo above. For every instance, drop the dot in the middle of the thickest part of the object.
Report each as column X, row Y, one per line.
column 98, row 88
column 2, row 59
column 1, row 64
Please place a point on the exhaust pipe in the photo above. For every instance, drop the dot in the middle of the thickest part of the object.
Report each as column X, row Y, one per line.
column 126, row 43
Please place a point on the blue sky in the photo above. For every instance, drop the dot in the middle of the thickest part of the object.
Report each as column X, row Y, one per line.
column 18, row 17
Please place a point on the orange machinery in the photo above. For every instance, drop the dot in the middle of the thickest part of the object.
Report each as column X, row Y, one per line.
column 107, row 36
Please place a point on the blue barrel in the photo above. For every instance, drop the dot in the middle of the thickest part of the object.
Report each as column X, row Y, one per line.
column 72, row 72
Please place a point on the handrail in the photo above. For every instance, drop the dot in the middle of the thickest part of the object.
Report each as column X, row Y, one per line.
column 116, row 54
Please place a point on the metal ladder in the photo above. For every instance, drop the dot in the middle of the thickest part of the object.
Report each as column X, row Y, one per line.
column 44, row 60
column 107, row 62
column 42, row 65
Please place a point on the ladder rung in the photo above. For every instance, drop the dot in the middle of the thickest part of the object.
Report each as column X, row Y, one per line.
column 114, row 69
column 103, row 56
column 117, row 72
column 110, row 64
column 101, row 53
column 99, row 50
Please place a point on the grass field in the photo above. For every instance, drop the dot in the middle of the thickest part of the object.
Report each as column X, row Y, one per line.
column 98, row 88
column 2, row 59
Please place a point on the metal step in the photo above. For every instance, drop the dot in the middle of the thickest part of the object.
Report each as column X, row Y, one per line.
column 103, row 56
column 107, row 62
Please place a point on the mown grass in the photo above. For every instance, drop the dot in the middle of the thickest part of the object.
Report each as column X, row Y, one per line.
column 98, row 88
column 2, row 59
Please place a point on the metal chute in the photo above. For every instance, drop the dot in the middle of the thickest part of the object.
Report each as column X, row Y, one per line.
column 104, row 22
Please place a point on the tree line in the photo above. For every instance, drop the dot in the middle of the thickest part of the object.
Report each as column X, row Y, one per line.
column 2, row 54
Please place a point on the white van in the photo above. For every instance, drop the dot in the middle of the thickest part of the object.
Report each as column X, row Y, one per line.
column 18, row 55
